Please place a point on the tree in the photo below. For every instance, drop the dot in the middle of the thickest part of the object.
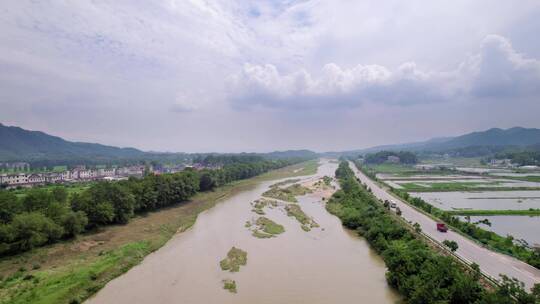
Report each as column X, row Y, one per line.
column 10, row 205
column 451, row 244
column 33, row 229
column 37, row 200
column 60, row 194
column 417, row 227
column 74, row 223
column 207, row 181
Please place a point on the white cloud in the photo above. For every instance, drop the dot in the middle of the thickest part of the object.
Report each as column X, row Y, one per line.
column 167, row 63
column 497, row 71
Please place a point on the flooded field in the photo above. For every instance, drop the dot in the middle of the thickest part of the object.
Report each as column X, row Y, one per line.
column 520, row 227
column 488, row 200
column 324, row 265
column 478, row 182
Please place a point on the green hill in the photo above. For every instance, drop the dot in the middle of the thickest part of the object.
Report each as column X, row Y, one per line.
column 17, row 144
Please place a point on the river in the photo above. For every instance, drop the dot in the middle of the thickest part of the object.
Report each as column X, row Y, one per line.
column 325, row 265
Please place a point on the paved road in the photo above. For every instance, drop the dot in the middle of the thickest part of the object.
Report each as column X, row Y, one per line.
column 490, row 262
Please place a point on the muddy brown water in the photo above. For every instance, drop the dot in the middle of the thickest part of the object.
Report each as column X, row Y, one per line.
column 326, row 265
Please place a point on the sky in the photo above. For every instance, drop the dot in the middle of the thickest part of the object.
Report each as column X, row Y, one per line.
column 238, row 75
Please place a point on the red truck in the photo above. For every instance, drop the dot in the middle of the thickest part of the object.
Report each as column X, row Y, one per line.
column 442, row 227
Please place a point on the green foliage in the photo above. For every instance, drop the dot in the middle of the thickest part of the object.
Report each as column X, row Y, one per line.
column 229, row 285
column 269, row 226
column 417, row 272
column 45, row 215
column 382, row 156
column 236, row 257
column 452, row 245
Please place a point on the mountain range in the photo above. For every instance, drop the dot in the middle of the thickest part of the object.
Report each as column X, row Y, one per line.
column 495, row 137
column 17, row 144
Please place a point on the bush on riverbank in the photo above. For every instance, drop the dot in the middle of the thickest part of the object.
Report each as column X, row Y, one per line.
column 417, row 272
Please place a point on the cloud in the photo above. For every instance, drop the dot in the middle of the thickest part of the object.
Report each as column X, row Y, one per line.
column 497, row 71
column 334, row 86
column 500, row 72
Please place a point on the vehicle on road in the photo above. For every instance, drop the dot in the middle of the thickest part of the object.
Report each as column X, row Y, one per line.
column 442, row 227
column 392, row 204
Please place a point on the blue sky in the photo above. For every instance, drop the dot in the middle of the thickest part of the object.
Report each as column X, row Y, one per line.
column 265, row 75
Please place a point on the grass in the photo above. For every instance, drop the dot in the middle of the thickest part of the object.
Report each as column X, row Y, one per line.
column 74, row 270
column 229, row 285
column 71, row 189
column 287, row 194
column 528, row 178
column 391, row 168
column 261, row 235
column 529, row 212
column 259, row 204
column 236, row 257
column 269, row 226
column 304, row 220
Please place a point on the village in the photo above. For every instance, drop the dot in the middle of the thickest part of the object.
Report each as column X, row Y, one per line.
column 77, row 174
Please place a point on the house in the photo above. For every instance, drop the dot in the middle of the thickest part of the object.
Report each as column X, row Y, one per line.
column 36, row 178
column 15, row 179
column 66, row 175
column 53, row 178
column 393, row 159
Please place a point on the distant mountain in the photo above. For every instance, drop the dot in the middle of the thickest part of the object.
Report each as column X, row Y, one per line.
column 17, row 144
column 517, row 136
column 495, row 137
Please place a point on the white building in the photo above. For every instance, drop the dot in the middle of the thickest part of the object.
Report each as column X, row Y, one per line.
column 36, row 178
column 15, row 179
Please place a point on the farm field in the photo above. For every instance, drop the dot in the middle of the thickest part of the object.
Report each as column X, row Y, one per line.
column 508, row 199
column 520, row 227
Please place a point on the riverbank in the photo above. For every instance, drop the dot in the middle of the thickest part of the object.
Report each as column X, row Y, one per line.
column 291, row 268
column 71, row 271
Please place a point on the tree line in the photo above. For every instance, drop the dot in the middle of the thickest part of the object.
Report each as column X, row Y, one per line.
column 419, row 273
column 45, row 216
column 382, row 156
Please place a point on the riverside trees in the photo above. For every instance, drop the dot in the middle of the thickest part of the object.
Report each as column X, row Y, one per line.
column 420, row 274
column 43, row 216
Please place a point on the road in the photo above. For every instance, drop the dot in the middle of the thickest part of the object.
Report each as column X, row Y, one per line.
column 490, row 262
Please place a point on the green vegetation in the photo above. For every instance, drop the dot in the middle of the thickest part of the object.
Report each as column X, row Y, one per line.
column 528, row 212
column 297, row 212
column 382, row 157
column 287, row 194
column 44, row 216
column 523, row 158
column 268, row 226
column 78, row 261
column 261, row 235
column 526, row 178
column 452, row 245
column 70, row 188
column 460, row 186
column 229, row 285
column 415, row 269
column 235, row 258
column 71, row 282
column 488, row 238
column 392, row 169
column 327, row 180
column 259, row 205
